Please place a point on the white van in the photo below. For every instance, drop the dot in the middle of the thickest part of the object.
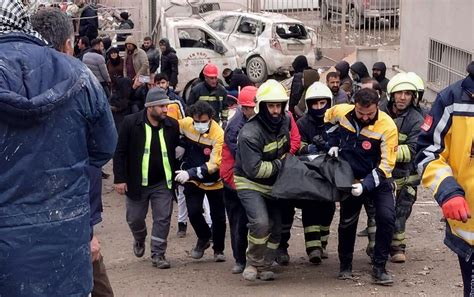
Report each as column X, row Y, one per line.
column 196, row 44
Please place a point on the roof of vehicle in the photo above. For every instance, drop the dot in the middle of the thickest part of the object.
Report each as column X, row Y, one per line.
column 263, row 16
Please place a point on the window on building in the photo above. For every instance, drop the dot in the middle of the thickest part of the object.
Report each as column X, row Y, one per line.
column 446, row 64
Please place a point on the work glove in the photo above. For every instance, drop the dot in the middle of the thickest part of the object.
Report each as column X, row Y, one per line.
column 319, row 141
column 312, row 149
column 179, row 152
column 357, row 190
column 457, row 209
column 334, row 152
column 182, row 176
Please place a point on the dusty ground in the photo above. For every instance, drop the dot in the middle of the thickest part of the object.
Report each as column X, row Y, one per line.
column 431, row 270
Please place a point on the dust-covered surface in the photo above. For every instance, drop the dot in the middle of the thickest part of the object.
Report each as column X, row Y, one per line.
column 431, row 269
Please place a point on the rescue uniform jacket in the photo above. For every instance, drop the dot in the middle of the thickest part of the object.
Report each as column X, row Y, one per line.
column 52, row 128
column 309, row 128
column 131, row 147
column 445, row 159
column 259, row 151
column 409, row 127
column 216, row 97
column 371, row 150
column 202, row 158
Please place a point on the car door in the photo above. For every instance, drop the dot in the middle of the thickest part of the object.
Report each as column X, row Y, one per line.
column 197, row 47
column 244, row 37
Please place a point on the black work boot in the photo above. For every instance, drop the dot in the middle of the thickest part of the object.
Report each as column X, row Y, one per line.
column 282, row 257
column 138, row 249
column 380, row 275
column 198, row 251
column 315, row 256
column 345, row 271
column 182, row 227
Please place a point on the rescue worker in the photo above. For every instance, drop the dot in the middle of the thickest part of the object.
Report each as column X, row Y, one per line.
column 202, row 140
column 404, row 110
column 235, row 211
column 262, row 144
column 144, row 163
column 445, row 165
column 367, row 139
column 212, row 92
column 378, row 73
column 418, row 81
column 316, row 215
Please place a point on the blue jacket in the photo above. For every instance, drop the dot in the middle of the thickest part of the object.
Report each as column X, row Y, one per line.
column 54, row 122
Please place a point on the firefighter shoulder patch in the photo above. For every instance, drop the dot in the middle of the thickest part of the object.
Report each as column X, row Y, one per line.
column 427, row 123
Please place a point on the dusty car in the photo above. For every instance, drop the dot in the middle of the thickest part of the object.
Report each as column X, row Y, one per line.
column 196, row 45
column 266, row 43
column 361, row 12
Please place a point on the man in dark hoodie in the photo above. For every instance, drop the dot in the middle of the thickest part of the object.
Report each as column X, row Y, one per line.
column 169, row 62
column 346, row 81
column 299, row 65
column 378, row 73
column 235, row 79
column 359, row 72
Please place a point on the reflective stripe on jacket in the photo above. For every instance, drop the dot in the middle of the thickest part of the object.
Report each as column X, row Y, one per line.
column 203, row 155
column 371, row 150
column 445, row 158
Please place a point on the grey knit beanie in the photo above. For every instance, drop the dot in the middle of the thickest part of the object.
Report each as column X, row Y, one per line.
column 156, row 96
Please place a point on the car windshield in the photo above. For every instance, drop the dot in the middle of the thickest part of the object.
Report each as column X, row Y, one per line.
column 291, row 30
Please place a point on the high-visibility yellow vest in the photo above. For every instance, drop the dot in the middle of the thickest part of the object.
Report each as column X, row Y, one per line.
column 164, row 156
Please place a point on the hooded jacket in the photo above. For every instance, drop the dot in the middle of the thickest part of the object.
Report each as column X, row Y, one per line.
column 139, row 57
column 383, row 81
column 346, row 81
column 299, row 65
column 361, row 70
column 52, row 127
column 444, row 161
column 238, row 79
column 169, row 63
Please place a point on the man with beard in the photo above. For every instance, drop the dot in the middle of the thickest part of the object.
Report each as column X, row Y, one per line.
column 152, row 54
column 333, row 81
column 262, row 144
column 136, row 60
column 144, row 163
column 403, row 108
column 378, row 73
column 366, row 138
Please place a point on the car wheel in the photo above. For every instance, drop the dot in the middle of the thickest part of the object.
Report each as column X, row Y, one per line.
column 325, row 14
column 257, row 69
column 355, row 20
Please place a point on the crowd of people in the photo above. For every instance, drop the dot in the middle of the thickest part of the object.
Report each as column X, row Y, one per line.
column 219, row 154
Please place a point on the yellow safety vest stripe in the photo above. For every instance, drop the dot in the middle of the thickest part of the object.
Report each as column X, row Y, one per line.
column 164, row 156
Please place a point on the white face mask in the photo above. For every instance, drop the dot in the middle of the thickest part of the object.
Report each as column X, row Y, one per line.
column 201, row 127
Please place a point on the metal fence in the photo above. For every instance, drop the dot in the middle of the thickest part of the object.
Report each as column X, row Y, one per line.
column 345, row 22
column 446, row 64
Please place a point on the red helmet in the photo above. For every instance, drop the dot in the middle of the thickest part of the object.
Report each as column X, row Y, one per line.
column 247, row 96
column 210, row 70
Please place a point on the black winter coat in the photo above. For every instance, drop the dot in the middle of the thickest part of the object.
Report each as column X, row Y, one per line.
column 131, row 145
column 311, row 132
column 169, row 63
column 89, row 23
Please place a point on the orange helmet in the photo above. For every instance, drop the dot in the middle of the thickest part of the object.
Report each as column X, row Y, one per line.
column 210, row 70
column 247, row 96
